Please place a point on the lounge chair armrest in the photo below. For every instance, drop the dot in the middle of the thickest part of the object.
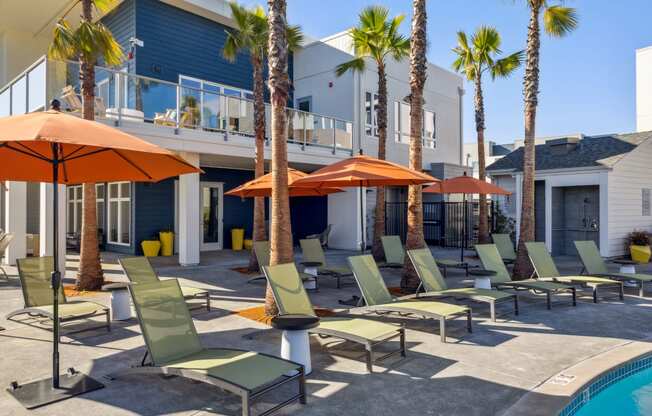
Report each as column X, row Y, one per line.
column 408, row 297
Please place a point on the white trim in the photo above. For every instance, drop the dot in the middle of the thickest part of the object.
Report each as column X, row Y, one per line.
column 119, row 199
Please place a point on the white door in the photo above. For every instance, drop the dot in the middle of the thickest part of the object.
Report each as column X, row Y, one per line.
column 211, row 211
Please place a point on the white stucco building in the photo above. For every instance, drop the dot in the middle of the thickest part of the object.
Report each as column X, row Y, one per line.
column 644, row 89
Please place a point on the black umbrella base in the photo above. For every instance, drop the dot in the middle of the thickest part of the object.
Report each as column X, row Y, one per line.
column 41, row 393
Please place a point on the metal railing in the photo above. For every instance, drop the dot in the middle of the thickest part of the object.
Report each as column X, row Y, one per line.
column 124, row 97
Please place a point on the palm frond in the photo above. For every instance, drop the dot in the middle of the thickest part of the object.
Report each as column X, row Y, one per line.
column 356, row 64
column 294, row 36
column 231, row 46
column 64, row 44
column 108, row 48
column 104, row 5
column 504, row 67
column 559, row 21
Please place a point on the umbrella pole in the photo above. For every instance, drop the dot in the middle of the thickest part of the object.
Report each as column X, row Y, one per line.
column 73, row 383
column 56, row 273
column 363, row 243
column 463, row 242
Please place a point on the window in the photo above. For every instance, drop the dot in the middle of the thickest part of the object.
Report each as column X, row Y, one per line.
column 119, row 213
column 402, row 125
column 645, row 206
column 75, row 200
column 371, row 114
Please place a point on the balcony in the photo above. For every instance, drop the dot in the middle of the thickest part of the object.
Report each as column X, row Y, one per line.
column 125, row 99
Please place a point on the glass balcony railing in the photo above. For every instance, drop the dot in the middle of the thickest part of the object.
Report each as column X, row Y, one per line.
column 125, row 97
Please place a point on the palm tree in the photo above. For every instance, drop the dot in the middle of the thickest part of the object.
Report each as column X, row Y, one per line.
column 558, row 21
column 418, row 67
column 376, row 37
column 252, row 36
column 88, row 42
column 279, row 87
column 473, row 60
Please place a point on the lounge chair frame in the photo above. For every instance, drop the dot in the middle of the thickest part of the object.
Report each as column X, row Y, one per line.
column 247, row 395
column 35, row 311
column 325, row 272
column 204, row 295
column 368, row 344
column 525, row 285
column 616, row 276
column 5, row 240
column 594, row 286
column 474, row 297
column 385, row 308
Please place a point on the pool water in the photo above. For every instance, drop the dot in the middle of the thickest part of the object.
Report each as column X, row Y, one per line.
column 631, row 396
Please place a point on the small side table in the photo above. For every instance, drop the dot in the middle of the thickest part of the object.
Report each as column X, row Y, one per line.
column 295, row 345
column 120, row 302
column 627, row 267
column 311, row 268
column 482, row 278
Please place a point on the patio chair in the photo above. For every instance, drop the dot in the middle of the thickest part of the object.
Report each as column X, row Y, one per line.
column 139, row 270
column 262, row 253
column 394, row 252
column 74, row 103
column 291, row 298
column 323, row 236
column 5, row 240
column 545, row 269
column 505, row 247
column 312, row 252
column 174, row 349
column 35, row 281
column 379, row 300
column 594, row 265
column 491, row 260
column 168, row 118
column 435, row 286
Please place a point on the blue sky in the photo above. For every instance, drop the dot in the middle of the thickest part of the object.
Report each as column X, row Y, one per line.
column 587, row 79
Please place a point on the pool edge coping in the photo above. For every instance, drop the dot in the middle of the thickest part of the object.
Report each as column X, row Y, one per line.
column 553, row 395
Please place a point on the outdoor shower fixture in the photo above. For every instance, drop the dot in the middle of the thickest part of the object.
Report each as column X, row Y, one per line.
column 588, row 222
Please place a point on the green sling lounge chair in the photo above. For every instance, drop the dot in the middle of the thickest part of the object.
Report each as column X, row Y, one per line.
column 435, row 286
column 262, row 253
column 379, row 300
column 312, row 252
column 35, row 274
column 445, row 264
column 394, row 252
column 174, row 348
column 544, row 267
column 291, row 298
column 140, row 270
column 594, row 265
column 491, row 260
column 505, row 247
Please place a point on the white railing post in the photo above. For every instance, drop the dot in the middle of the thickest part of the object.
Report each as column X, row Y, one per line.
column 120, row 97
column 226, row 118
column 178, row 112
column 334, row 135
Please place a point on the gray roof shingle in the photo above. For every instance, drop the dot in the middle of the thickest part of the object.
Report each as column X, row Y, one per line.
column 590, row 151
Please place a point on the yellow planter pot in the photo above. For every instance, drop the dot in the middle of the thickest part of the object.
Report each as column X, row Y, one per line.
column 151, row 247
column 237, row 238
column 640, row 254
column 167, row 243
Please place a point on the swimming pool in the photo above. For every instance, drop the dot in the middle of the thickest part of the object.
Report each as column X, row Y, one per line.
column 625, row 390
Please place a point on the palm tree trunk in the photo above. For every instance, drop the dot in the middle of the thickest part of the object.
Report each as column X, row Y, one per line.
column 259, row 233
column 522, row 267
column 483, row 223
column 415, row 239
column 89, row 276
column 279, row 85
column 379, row 221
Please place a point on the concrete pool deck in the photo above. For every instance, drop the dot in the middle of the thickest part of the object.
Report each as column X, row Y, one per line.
column 510, row 367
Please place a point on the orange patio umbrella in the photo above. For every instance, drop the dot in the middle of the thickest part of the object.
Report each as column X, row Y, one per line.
column 465, row 185
column 262, row 187
column 59, row 148
column 364, row 171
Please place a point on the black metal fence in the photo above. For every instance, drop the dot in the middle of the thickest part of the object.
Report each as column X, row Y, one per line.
column 443, row 222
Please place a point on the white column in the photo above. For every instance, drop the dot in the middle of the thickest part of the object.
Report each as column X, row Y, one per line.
column 16, row 220
column 46, row 222
column 189, row 213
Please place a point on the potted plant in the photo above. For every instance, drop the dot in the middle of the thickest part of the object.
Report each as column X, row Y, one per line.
column 639, row 246
column 151, row 247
